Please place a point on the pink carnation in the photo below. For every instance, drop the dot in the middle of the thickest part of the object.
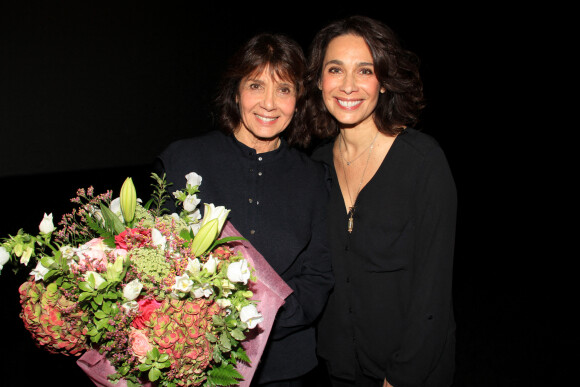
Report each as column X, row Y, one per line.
column 133, row 238
column 146, row 307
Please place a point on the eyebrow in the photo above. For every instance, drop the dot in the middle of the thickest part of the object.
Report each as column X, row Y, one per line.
column 339, row 62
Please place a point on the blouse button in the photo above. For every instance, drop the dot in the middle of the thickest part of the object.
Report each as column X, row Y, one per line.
column 259, row 173
column 252, row 232
column 259, row 158
column 250, row 200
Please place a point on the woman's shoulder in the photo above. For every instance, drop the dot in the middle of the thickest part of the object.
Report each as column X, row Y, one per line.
column 323, row 150
column 198, row 144
column 419, row 141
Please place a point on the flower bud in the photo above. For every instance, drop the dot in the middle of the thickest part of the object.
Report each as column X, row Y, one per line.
column 204, row 237
column 46, row 226
column 128, row 198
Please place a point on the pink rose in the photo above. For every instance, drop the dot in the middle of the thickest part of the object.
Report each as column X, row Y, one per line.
column 146, row 307
column 139, row 343
column 93, row 255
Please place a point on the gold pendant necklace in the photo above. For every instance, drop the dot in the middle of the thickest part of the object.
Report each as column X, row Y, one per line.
column 350, row 224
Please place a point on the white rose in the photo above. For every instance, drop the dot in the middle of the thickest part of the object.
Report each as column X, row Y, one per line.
column 249, row 314
column 98, row 279
column 239, row 272
column 132, row 290
column 190, row 203
column 46, row 226
column 210, row 265
column 39, row 272
column 4, row 256
column 193, row 266
column 193, row 179
column 182, row 283
column 158, row 239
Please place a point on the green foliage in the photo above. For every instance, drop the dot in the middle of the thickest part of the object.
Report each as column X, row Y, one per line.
column 224, row 375
column 159, row 196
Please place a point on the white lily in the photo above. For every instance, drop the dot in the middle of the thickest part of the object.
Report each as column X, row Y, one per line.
column 212, row 212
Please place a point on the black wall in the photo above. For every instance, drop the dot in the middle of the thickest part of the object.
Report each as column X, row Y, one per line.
column 90, row 93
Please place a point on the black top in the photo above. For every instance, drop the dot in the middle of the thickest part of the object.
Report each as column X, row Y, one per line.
column 277, row 202
column 391, row 307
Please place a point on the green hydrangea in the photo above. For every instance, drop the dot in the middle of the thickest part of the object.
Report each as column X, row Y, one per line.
column 142, row 214
column 150, row 265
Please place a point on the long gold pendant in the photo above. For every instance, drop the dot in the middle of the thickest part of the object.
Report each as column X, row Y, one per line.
column 350, row 219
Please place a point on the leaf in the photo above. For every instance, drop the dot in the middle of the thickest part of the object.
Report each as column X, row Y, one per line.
column 144, row 367
column 154, row 374
column 100, row 314
column 210, row 337
column 185, row 235
column 85, row 287
column 240, row 354
column 224, row 375
column 225, row 341
column 99, row 299
column 163, row 358
column 238, row 335
column 112, row 222
column 148, row 204
column 47, row 262
column 226, row 240
column 84, row 296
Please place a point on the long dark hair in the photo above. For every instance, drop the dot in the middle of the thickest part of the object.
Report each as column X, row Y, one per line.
column 285, row 59
column 396, row 69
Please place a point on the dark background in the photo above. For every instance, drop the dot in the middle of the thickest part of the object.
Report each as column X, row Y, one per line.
column 90, row 93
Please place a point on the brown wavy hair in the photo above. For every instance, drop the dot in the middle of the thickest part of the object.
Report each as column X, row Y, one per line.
column 396, row 69
column 286, row 60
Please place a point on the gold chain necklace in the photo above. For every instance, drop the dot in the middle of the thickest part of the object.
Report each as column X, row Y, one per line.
column 350, row 225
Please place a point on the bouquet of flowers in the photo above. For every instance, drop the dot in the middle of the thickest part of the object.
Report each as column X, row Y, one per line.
column 158, row 295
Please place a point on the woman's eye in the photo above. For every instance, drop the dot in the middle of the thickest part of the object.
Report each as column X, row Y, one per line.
column 366, row 71
column 334, row 70
column 254, row 86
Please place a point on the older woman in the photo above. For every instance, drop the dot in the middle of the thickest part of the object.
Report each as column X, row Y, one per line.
column 391, row 214
column 276, row 194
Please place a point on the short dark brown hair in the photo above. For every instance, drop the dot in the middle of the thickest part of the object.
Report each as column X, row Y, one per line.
column 286, row 60
column 396, row 69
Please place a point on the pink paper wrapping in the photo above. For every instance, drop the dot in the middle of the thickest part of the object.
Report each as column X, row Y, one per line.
column 269, row 289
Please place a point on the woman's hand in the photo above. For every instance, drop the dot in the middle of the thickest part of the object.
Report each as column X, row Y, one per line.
column 387, row 384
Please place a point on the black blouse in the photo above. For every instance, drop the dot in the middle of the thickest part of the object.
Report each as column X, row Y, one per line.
column 391, row 309
column 277, row 201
